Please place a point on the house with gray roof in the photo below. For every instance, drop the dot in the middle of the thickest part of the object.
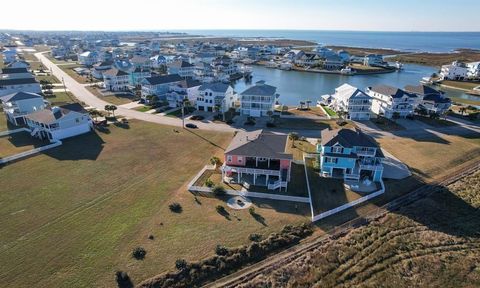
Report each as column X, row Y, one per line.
column 258, row 158
column 182, row 68
column 430, row 100
column 116, row 80
column 159, row 86
column 10, row 86
column 15, row 73
column 349, row 154
column 258, row 100
column 58, row 123
column 353, row 101
column 215, row 97
column 17, row 105
column 388, row 100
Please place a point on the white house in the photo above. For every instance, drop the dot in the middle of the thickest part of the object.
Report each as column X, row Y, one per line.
column 182, row 68
column 15, row 73
column 19, row 104
column 138, row 75
column 115, row 80
column 10, row 86
column 159, row 85
column 139, row 61
column 388, row 100
column 373, row 60
column 455, row 71
column 433, row 101
column 186, row 90
column 213, row 96
column 352, row 100
column 100, row 68
column 473, row 72
column 258, row 100
column 88, row 58
column 58, row 123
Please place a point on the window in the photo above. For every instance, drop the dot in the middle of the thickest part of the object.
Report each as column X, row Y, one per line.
column 337, row 149
column 331, row 160
column 239, row 159
column 229, row 158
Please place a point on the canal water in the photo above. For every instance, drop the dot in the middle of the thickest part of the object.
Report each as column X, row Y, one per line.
column 296, row 86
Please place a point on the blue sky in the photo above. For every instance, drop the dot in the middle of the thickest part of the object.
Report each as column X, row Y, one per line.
column 370, row 15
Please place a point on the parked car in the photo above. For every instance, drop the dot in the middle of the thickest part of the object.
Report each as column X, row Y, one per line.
column 197, row 117
column 191, row 125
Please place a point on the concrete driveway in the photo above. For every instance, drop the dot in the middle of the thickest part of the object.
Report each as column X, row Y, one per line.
column 394, row 168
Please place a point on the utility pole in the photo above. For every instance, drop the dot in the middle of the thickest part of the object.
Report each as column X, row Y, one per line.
column 183, row 114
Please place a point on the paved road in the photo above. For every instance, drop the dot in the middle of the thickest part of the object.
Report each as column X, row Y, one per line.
column 82, row 94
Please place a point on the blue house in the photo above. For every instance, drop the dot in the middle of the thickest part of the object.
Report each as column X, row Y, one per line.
column 349, row 154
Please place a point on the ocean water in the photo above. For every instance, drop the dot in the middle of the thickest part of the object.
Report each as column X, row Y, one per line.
column 403, row 41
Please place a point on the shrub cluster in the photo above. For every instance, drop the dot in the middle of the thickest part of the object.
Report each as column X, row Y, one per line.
column 228, row 260
column 139, row 253
column 175, row 207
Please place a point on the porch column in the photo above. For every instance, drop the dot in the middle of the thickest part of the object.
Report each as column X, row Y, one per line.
column 267, row 179
column 254, row 178
column 238, row 177
column 256, row 161
column 268, row 162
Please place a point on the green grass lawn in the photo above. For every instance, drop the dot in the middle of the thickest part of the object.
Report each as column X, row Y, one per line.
column 115, row 99
column 84, row 206
column 50, row 78
column 60, row 98
column 461, row 84
column 18, row 142
column 144, row 108
column 329, row 111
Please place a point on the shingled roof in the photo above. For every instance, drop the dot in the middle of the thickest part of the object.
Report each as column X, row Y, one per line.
column 19, row 96
column 259, row 143
column 394, row 92
column 347, row 137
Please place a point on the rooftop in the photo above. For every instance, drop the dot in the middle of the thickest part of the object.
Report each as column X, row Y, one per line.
column 259, row 143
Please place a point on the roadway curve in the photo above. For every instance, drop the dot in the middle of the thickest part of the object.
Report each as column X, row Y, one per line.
column 83, row 95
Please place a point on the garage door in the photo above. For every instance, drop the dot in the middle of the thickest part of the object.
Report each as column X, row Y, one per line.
column 201, row 108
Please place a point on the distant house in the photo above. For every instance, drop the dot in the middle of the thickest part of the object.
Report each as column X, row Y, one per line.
column 159, row 85
column 141, row 62
column 19, row 104
column 10, row 86
column 344, row 55
column 182, row 68
column 333, row 62
column 373, row 60
column 215, row 95
column 58, row 123
column 19, row 64
column 15, row 73
column 349, row 154
column 100, row 68
column 258, row 158
column 431, row 100
column 294, row 55
column 473, row 70
column 158, row 61
column 387, row 100
column 88, row 58
column 115, row 80
column 455, row 71
column 203, row 72
column 352, row 100
column 136, row 76
column 186, row 90
column 258, row 100
column 308, row 59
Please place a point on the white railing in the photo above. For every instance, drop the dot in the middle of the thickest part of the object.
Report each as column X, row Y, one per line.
column 277, row 184
column 29, row 152
column 375, row 167
column 253, row 170
column 348, row 205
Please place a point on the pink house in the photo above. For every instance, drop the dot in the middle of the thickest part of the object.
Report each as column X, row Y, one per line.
column 258, row 158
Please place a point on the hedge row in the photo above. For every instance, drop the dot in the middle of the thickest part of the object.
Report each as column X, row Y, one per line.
column 198, row 273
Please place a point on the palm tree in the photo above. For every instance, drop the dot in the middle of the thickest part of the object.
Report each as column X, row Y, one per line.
column 308, row 104
column 107, row 108
column 95, row 113
column 113, row 108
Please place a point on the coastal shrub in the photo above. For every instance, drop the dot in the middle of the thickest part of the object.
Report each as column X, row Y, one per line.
column 219, row 190
column 221, row 250
column 175, row 207
column 139, row 253
column 197, row 273
column 123, row 280
column 251, row 210
column 254, row 237
column 209, row 183
column 181, row 264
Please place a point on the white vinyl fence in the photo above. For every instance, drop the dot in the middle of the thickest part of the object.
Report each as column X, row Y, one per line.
column 29, row 152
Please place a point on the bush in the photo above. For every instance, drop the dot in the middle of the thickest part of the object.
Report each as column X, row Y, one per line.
column 255, row 237
column 251, row 210
column 175, row 207
column 181, row 264
column 219, row 190
column 221, row 250
column 209, row 183
column 123, row 280
column 139, row 253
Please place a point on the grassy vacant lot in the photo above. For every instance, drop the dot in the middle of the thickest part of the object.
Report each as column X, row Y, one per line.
column 311, row 112
column 71, row 216
column 115, row 99
column 306, row 124
column 60, row 98
column 434, row 122
column 465, row 85
column 438, row 59
column 79, row 78
column 386, row 124
column 433, row 242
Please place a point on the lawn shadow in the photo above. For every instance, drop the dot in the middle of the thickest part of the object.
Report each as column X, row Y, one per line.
column 22, row 139
column 203, row 138
column 443, row 211
column 83, row 147
column 259, row 218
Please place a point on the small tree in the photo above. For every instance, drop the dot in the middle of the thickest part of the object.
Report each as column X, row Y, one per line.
column 95, row 114
column 255, row 237
column 219, row 190
column 107, row 108
column 175, row 207
column 209, row 183
column 181, row 264
column 293, row 137
column 113, row 108
column 308, row 104
column 214, row 161
column 221, row 250
column 139, row 253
